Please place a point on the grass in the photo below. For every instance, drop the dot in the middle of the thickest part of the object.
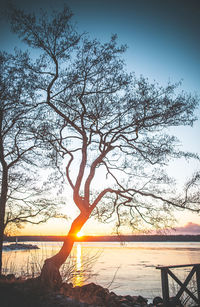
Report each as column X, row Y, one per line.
column 75, row 270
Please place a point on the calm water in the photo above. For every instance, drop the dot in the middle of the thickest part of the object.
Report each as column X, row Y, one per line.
column 125, row 269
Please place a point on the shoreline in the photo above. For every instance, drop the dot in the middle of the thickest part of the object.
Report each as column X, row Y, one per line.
column 29, row 293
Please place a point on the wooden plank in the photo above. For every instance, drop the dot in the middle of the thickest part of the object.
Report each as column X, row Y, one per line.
column 183, row 285
column 165, row 286
column 165, row 270
column 198, row 282
column 176, row 266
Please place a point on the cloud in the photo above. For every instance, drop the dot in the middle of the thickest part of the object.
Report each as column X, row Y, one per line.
column 190, row 229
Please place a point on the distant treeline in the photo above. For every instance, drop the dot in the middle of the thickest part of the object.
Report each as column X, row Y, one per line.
column 128, row 238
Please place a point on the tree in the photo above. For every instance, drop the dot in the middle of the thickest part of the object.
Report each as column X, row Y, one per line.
column 22, row 199
column 104, row 119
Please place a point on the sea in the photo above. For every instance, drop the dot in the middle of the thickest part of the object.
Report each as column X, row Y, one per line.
column 124, row 268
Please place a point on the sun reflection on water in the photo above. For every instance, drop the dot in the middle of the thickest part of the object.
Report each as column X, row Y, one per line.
column 78, row 257
column 78, row 276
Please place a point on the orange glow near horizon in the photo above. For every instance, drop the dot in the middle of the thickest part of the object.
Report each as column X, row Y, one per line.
column 57, row 227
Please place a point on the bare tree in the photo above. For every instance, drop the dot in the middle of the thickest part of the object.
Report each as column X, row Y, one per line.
column 22, row 200
column 30, row 209
column 105, row 120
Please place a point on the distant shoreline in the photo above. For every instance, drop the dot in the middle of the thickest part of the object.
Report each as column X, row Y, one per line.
column 125, row 238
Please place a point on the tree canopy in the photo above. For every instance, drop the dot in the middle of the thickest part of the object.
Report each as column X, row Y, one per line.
column 22, row 199
column 96, row 118
column 103, row 117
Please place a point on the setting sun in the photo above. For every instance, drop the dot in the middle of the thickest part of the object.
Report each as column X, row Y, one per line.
column 79, row 234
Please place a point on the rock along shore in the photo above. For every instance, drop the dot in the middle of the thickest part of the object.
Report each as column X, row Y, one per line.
column 28, row 293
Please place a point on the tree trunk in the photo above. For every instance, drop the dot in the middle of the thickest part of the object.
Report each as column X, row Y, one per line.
column 3, row 196
column 2, row 214
column 4, row 189
column 50, row 276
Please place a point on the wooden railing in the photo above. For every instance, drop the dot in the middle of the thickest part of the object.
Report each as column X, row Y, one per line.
column 166, row 270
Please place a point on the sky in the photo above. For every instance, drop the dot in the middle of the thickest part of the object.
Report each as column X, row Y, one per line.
column 163, row 38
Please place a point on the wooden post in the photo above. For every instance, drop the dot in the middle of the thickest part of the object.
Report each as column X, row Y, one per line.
column 197, row 267
column 165, row 286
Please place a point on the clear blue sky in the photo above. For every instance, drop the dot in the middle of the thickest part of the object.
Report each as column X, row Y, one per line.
column 163, row 37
